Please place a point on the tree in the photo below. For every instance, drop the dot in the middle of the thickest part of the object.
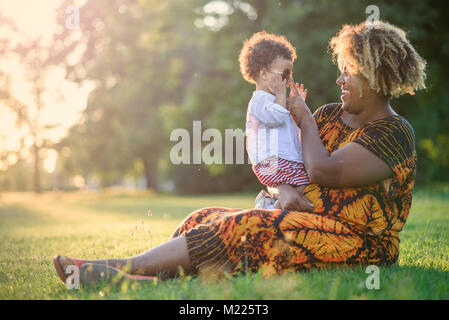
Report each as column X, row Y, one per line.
column 138, row 54
column 27, row 63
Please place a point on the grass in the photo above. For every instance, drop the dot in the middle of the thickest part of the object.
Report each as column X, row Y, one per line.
column 35, row 228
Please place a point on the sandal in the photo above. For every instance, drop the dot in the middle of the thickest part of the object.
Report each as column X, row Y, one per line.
column 91, row 274
column 61, row 271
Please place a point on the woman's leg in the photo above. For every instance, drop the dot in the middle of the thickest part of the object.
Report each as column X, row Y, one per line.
column 200, row 216
column 164, row 260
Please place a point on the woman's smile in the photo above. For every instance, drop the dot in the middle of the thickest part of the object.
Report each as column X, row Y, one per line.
column 345, row 93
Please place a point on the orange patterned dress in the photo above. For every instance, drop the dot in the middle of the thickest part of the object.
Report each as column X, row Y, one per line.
column 358, row 225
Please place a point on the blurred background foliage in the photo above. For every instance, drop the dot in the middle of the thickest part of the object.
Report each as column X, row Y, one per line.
column 160, row 65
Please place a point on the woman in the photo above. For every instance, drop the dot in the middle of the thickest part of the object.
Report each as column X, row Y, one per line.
column 360, row 158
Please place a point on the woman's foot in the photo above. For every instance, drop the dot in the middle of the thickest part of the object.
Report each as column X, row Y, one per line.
column 62, row 262
column 92, row 274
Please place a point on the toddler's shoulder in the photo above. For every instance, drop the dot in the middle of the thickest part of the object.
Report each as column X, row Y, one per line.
column 260, row 99
column 259, row 95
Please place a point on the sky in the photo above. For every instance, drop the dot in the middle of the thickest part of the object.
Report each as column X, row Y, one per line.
column 38, row 18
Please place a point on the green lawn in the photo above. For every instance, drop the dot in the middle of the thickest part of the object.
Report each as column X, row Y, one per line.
column 35, row 228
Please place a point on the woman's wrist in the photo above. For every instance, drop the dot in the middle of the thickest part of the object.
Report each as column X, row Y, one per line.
column 304, row 116
column 281, row 99
column 299, row 108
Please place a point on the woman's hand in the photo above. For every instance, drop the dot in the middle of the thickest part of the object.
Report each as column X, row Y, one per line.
column 298, row 90
column 291, row 198
column 296, row 102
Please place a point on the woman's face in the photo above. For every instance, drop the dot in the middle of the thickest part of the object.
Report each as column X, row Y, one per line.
column 354, row 89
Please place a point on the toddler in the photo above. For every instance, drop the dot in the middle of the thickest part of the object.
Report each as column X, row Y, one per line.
column 273, row 146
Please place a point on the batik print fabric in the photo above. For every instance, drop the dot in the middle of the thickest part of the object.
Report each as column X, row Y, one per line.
column 348, row 226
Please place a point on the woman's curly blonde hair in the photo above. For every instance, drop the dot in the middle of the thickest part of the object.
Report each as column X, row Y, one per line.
column 260, row 51
column 382, row 54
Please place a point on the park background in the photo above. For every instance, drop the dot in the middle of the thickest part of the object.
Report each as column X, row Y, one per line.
column 88, row 102
column 94, row 105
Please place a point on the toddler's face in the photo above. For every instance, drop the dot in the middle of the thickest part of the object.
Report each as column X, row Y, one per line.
column 280, row 68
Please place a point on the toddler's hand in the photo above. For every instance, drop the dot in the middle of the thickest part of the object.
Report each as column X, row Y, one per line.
column 277, row 86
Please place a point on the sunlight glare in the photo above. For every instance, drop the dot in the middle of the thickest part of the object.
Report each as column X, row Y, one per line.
column 62, row 101
column 35, row 18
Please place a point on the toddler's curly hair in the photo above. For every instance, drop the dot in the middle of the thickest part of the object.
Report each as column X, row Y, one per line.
column 382, row 54
column 260, row 51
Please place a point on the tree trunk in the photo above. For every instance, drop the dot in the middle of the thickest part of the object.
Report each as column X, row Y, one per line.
column 36, row 174
column 150, row 168
column 261, row 8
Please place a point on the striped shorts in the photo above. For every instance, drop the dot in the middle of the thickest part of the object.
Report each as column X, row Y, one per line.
column 275, row 171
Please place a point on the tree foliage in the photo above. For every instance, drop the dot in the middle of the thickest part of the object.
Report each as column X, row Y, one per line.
column 160, row 65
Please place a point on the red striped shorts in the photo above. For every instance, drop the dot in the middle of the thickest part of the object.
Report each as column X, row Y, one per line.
column 275, row 171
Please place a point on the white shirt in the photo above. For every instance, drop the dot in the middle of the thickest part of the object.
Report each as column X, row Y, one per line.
column 270, row 130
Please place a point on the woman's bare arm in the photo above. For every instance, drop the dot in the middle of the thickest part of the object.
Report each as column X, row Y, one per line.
column 349, row 166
